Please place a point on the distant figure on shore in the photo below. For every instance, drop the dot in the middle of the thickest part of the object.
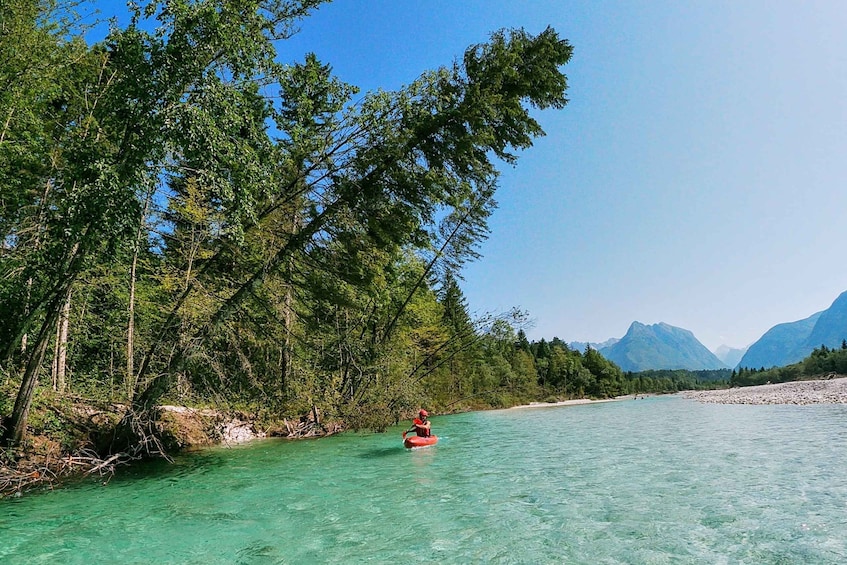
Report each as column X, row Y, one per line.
column 421, row 426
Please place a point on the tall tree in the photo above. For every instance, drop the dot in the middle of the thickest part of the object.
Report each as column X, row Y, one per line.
column 121, row 112
column 302, row 231
column 398, row 161
column 51, row 156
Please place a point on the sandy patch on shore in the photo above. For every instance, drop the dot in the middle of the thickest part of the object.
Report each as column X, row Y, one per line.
column 568, row 402
column 829, row 391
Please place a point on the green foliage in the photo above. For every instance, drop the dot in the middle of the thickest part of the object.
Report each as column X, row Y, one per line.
column 49, row 420
column 674, row 380
column 822, row 362
column 270, row 241
column 7, row 390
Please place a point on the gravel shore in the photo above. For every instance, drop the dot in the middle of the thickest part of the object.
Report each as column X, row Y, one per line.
column 830, row 391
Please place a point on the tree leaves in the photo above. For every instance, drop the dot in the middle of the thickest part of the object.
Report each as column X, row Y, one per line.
column 278, row 199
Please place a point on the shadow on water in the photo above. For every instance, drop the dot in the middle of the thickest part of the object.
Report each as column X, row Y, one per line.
column 382, row 452
column 186, row 463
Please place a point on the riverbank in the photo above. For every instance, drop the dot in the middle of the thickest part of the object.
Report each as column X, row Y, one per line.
column 72, row 449
column 572, row 402
column 637, row 482
column 828, row 391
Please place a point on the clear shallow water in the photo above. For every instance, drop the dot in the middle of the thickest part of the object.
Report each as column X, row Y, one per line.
column 662, row 480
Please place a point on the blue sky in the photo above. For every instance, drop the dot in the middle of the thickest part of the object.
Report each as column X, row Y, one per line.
column 697, row 176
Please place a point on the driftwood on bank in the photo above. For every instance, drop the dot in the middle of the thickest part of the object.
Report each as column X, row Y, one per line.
column 156, row 434
column 308, row 428
column 25, row 474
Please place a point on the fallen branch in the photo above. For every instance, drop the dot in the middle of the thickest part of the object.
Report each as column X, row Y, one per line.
column 18, row 477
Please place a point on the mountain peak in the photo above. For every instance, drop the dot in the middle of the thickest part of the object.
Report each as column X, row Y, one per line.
column 791, row 342
column 730, row 355
column 660, row 346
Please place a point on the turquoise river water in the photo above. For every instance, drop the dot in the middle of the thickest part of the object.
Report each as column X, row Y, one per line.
column 660, row 480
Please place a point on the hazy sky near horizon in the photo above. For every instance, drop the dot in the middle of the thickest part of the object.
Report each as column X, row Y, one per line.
column 697, row 176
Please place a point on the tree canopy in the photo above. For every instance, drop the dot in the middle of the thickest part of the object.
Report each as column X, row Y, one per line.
column 209, row 223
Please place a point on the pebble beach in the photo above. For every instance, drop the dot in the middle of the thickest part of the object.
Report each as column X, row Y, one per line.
column 829, row 391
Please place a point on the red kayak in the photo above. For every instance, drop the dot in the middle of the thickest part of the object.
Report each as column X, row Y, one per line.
column 415, row 441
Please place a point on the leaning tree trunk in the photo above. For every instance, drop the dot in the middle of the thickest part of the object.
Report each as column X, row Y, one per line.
column 285, row 357
column 20, row 413
column 130, row 330
column 16, row 430
column 61, row 350
column 37, row 244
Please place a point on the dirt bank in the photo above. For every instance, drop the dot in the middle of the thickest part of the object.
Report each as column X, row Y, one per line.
column 68, row 447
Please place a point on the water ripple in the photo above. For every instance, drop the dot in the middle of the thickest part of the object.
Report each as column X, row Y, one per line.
column 664, row 480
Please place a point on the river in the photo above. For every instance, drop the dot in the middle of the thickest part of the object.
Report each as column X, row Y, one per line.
column 658, row 480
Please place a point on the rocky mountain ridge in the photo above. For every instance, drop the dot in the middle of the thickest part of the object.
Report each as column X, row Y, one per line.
column 662, row 346
column 791, row 342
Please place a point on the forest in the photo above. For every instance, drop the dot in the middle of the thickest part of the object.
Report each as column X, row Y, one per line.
column 823, row 362
column 187, row 220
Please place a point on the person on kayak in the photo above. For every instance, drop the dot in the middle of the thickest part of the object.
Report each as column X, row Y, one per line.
column 421, row 426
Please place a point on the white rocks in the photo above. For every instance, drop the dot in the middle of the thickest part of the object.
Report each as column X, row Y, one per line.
column 237, row 431
column 206, row 426
column 831, row 391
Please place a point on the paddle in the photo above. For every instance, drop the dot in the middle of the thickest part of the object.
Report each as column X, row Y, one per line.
column 416, row 421
column 406, row 432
